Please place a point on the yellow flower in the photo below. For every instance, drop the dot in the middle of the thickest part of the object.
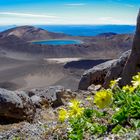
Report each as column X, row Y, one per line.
column 62, row 115
column 103, row 98
column 136, row 80
column 128, row 89
column 114, row 83
column 75, row 109
column 74, row 103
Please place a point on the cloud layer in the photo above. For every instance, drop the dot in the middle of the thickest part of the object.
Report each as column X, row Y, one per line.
column 27, row 15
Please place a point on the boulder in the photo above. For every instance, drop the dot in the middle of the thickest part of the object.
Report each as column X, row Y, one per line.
column 116, row 69
column 51, row 95
column 16, row 105
column 102, row 74
column 95, row 76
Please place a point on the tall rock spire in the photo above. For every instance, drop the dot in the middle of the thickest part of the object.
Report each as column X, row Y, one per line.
column 132, row 66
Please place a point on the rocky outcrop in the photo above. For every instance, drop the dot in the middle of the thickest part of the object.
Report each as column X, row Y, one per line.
column 48, row 96
column 16, row 105
column 133, row 64
column 102, row 74
column 116, row 69
column 21, row 105
column 96, row 75
column 125, row 67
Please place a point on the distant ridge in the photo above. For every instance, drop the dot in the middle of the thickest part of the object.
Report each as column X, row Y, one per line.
column 88, row 30
column 81, row 30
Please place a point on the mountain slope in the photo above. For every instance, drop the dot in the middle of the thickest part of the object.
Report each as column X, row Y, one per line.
column 29, row 33
column 108, row 47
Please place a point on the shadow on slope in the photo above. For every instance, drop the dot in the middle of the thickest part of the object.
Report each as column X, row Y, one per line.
column 84, row 64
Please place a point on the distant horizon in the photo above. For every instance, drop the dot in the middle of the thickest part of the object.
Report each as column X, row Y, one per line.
column 80, row 30
column 68, row 24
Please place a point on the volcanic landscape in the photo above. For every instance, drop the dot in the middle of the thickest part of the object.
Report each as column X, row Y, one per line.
column 26, row 65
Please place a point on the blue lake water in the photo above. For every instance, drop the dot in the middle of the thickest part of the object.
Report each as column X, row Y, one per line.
column 57, row 42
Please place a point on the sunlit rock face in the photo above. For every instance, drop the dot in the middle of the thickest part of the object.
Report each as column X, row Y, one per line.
column 133, row 64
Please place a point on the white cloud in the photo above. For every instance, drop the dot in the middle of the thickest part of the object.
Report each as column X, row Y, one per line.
column 18, row 18
column 75, row 4
column 27, row 15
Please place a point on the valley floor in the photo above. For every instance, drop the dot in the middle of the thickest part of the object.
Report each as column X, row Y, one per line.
column 27, row 74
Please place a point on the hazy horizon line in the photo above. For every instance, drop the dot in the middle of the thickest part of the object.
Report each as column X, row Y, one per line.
column 67, row 24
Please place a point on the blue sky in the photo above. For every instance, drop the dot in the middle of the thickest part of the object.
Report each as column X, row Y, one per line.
column 23, row 12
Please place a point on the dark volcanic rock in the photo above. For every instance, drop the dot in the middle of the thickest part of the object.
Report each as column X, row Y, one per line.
column 16, row 105
column 133, row 64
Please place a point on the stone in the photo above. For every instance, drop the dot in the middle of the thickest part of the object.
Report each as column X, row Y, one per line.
column 116, row 69
column 37, row 101
column 133, row 64
column 102, row 74
column 16, row 105
column 95, row 76
column 92, row 88
column 52, row 94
